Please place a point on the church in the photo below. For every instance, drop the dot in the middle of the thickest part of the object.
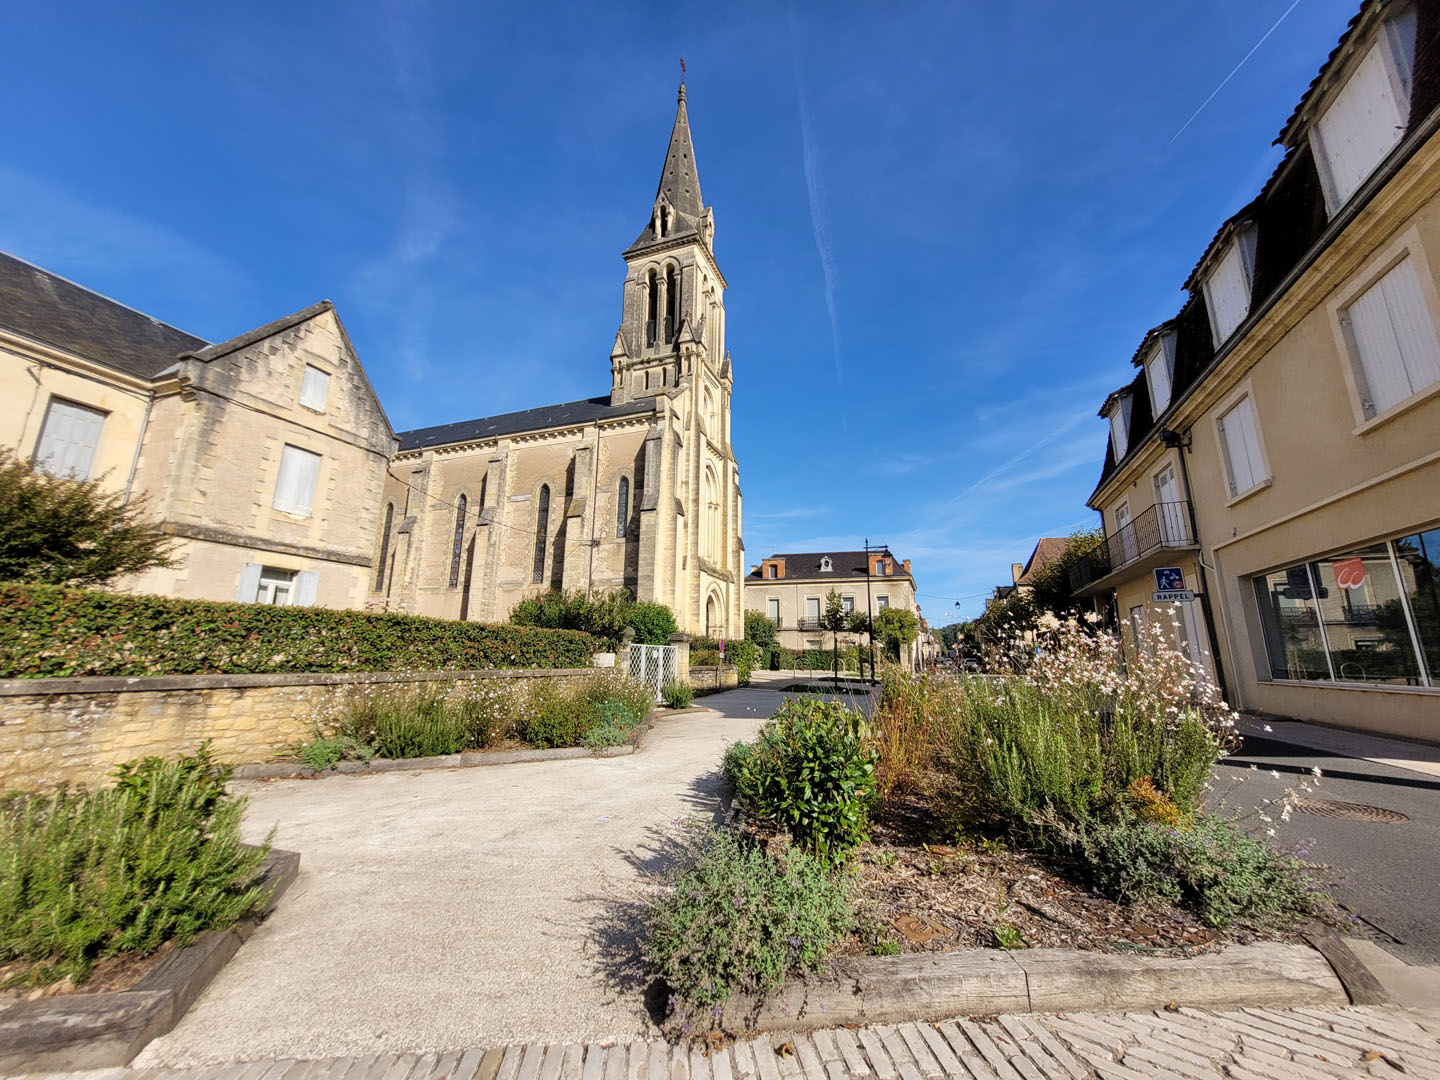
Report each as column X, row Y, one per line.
column 270, row 462
column 636, row 490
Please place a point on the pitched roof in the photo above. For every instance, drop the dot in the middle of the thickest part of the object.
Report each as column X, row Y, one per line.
column 565, row 414
column 679, row 182
column 845, row 566
column 50, row 309
column 1047, row 549
column 260, row 333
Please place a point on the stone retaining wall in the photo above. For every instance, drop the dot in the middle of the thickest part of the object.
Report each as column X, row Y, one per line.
column 76, row 730
column 714, row 677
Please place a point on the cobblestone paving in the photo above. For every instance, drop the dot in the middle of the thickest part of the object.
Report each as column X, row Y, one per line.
column 1248, row 1044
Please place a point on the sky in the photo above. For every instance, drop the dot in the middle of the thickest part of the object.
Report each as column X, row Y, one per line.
column 945, row 226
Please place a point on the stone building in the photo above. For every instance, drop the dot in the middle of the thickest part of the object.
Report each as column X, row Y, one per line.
column 791, row 589
column 1277, row 454
column 636, row 490
column 263, row 456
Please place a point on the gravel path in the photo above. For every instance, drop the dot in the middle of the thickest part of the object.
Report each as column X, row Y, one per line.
column 463, row 907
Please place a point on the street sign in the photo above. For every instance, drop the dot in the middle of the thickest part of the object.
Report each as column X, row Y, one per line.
column 1173, row 596
column 1169, row 579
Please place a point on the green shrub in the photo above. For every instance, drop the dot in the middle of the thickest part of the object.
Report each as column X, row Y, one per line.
column 760, row 629
column 50, row 631
column 745, row 655
column 813, row 774
column 782, row 659
column 1213, row 867
column 603, row 615
column 418, row 725
column 704, row 657
column 677, row 694
column 704, row 641
column 735, row 920
column 654, row 624
column 556, row 718
column 326, row 753
column 605, row 734
column 89, row 874
column 736, row 755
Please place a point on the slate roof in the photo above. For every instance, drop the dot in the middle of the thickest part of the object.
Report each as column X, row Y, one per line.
column 847, row 566
column 565, row 414
column 1047, row 548
column 1290, row 220
column 59, row 313
column 679, row 182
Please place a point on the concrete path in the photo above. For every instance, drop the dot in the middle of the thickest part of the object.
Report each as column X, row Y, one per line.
column 1250, row 1044
column 461, row 907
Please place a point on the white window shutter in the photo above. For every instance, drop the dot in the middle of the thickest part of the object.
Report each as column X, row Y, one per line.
column 249, row 583
column 1227, row 293
column 1242, row 446
column 314, row 388
column 1360, row 126
column 295, row 486
column 1157, row 373
column 1399, row 354
column 68, row 439
column 306, row 583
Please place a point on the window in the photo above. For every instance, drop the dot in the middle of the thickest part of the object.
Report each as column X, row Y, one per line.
column 770, row 570
column 1394, row 340
column 848, row 604
column 272, row 585
column 812, row 609
column 295, row 487
column 1369, row 615
column 542, row 523
column 1158, row 370
column 712, row 546
column 825, row 565
column 1227, row 288
column 882, row 601
column 652, row 293
column 1120, row 425
column 772, row 610
column 1125, row 532
column 314, row 388
column 384, row 547
column 622, row 506
column 672, row 304
column 1241, row 445
column 458, row 543
column 68, row 439
column 1367, row 117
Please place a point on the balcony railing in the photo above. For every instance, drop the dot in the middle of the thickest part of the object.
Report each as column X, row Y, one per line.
column 808, row 622
column 1163, row 525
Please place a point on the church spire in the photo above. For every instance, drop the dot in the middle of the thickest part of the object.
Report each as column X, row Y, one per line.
column 679, row 209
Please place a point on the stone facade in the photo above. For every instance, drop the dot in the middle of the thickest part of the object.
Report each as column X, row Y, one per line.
column 76, row 730
column 638, row 491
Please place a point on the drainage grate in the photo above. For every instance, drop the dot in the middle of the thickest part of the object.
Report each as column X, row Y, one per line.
column 1350, row 810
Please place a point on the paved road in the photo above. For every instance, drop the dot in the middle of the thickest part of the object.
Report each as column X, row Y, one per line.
column 461, row 907
column 1250, row 1044
column 1386, row 874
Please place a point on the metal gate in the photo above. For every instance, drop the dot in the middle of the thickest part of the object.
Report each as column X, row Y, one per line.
column 654, row 665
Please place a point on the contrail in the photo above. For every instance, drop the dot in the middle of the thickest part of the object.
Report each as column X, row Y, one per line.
column 1236, row 68
column 815, row 198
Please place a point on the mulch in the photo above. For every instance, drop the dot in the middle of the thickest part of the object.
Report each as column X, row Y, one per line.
column 110, row 973
column 927, row 891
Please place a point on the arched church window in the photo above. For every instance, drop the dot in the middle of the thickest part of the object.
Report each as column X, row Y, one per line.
column 672, row 305
column 542, row 523
column 711, row 533
column 458, row 542
column 652, row 293
column 622, row 506
column 384, row 546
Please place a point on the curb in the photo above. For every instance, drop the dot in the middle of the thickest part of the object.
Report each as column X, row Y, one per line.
column 988, row 982
column 95, row 1031
column 469, row 759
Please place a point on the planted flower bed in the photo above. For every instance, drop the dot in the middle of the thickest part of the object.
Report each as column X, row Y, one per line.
column 1062, row 807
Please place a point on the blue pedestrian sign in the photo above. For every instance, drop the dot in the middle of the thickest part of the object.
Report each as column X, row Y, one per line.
column 1169, row 579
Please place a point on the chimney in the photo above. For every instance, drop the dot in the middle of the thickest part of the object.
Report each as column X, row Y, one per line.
column 1017, row 569
column 907, row 566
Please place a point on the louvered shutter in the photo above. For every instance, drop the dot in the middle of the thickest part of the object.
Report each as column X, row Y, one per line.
column 68, row 439
column 249, row 583
column 306, row 584
column 1399, row 355
column 1360, row 126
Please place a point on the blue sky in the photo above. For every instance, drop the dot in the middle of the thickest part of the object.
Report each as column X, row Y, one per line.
column 945, row 226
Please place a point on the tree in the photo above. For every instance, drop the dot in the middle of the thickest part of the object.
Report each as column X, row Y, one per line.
column 896, row 628
column 58, row 531
column 1050, row 581
column 604, row 614
column 835, row 619
column 760, row 629
column 654, row 624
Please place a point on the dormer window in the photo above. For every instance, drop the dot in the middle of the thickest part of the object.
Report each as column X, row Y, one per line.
column 825, row 565
column 1227, row 287
column 1120, row 425
column 1159, row 373
column 1367, row 115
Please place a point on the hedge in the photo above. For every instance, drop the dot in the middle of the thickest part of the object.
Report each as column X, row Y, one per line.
column 47, row 631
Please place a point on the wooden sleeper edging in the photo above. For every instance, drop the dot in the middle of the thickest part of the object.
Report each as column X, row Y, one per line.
column 93, row 1031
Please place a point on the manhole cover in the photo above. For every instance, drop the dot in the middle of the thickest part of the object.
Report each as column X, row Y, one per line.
column 1350, row 810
